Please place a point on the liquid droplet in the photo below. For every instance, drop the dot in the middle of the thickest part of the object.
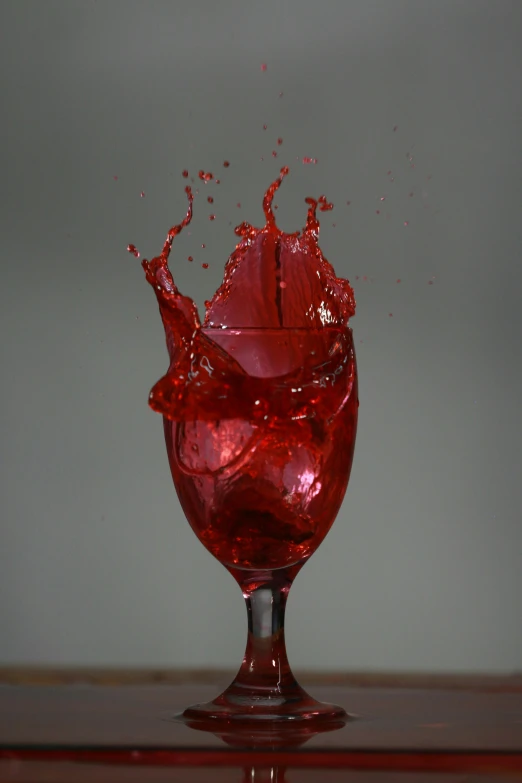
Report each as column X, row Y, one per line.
column 265, row 127
column 184, row 173
column 226, row 164
column 210, row 199
column 263, row 67
column 325, row 206
column 280, row 141
column 190, row 258
column 211, row 217
column 134, row 250
column 274, row 154
column 309, row 160
column 142, row 194
column 205, row 266
column 205, row 176
column 395, row 128
column 406, row 222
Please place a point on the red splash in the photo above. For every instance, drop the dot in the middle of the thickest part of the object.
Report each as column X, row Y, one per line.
column 324, row 204
column 252, row 296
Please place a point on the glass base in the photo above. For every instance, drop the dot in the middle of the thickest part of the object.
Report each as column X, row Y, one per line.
column 265, row 721
column 242, row 705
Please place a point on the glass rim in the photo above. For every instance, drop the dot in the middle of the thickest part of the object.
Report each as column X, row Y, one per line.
column 277, row 329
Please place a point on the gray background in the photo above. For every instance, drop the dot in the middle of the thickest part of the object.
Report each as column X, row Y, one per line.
column 422, row 570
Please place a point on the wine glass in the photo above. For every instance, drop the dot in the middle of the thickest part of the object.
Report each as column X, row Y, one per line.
column 261, row 485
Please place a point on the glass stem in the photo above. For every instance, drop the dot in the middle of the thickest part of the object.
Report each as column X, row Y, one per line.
column 265, row 670
column 264, row 689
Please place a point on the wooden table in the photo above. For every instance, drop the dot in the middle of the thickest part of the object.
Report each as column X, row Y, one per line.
column 86, row 725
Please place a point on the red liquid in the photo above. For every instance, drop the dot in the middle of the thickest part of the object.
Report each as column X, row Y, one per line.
column 260, row 404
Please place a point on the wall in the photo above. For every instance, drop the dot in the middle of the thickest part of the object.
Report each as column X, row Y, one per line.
column 102, row 100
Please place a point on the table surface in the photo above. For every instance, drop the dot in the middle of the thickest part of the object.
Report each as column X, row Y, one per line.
column 117, row 725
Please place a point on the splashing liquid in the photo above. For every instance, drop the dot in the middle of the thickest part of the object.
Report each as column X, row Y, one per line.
column 260, row 401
